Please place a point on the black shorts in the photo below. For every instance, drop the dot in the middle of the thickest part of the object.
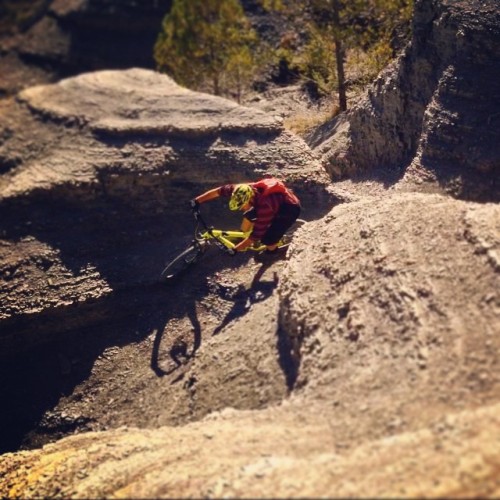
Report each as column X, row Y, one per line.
column 286, row 216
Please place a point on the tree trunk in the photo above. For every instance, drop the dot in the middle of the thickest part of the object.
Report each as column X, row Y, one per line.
column 339, row 57
column 215, row 83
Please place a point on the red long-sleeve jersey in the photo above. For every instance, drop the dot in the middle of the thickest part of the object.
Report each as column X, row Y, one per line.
column 264, row 208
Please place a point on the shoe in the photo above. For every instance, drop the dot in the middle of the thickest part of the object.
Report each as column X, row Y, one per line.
column 268, row 255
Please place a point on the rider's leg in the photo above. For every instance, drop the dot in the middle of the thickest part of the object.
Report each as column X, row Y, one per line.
column 284, row 219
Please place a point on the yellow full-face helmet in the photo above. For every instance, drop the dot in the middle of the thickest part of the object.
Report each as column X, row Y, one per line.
column 242, row 194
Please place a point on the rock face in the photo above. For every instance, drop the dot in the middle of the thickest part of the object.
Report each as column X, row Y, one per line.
column 74, row 36
column 205, row 460
column 432, row 112
column 108, row 160
column 132, row 123
column 363, row 363
column 131, row 133
column 393, row 293
column 395, row 341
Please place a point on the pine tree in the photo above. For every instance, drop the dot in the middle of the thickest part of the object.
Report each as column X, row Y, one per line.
column 336, row 26
column 207, row 42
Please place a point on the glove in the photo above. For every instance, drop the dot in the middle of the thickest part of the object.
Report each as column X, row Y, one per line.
column 194, row 204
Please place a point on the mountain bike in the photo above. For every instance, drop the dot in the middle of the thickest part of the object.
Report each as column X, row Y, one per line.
column 207, row 236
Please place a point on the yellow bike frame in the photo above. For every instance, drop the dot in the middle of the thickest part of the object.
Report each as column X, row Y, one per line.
column 226, row 237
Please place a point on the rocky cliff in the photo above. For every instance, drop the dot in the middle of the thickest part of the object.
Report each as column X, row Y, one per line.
column 123, row 150
column 433, row 114
column 363, row 363
column 389, row 347
column 98, row 172
column 73, row 36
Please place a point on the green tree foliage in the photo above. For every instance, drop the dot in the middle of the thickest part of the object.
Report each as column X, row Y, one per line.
column 343, row 33
column 208, row 42
column 337, row 45
column 316, row 61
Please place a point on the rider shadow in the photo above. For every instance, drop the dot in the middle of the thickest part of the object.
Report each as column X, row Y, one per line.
column 244, row 298
column 182, row 350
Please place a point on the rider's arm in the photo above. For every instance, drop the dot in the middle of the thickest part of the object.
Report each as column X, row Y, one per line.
column 225, row 191
column 208, row 195
column 244, row 244
column 246, row 225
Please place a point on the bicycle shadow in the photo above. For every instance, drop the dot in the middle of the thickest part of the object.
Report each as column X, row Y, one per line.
column 178, row 350
column 182, row 347
column 184, row 340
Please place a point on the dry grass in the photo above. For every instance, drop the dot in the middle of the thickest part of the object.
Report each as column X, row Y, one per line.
column 302, row 123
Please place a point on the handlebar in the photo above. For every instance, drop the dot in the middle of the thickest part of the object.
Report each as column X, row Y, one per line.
column 197, row 215
column 199, row 218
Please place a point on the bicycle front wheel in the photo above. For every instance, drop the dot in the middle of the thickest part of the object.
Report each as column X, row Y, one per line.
column 183, row 261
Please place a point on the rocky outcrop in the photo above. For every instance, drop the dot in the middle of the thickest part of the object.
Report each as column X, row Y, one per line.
column 142, row 128
column 397, row 387
column 391, row 272
column 292, row 459
column 120, row 153
column 76, row 36
column 433, row 111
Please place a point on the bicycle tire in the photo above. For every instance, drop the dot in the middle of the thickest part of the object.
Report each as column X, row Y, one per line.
column 183, row 261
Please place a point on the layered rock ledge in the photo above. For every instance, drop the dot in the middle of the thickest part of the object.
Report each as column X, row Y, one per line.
column 98, row 171
column 432, row 114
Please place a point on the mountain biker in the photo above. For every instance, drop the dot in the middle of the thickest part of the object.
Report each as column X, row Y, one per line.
column 269, row 209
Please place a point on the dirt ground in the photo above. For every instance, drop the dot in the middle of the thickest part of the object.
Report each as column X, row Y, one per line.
column 395, row 391
column 137, row 370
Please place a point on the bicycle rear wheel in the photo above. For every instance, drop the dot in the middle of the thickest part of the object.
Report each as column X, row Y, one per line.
column 183, row 261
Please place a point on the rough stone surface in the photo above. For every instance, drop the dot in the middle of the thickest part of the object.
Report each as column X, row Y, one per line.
column 92, row 160
column 74, row 36
column 139, row 127
column 391, row 347
column 410, row 279
column 362, row 363
column 433, row 114
column 296, row 458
